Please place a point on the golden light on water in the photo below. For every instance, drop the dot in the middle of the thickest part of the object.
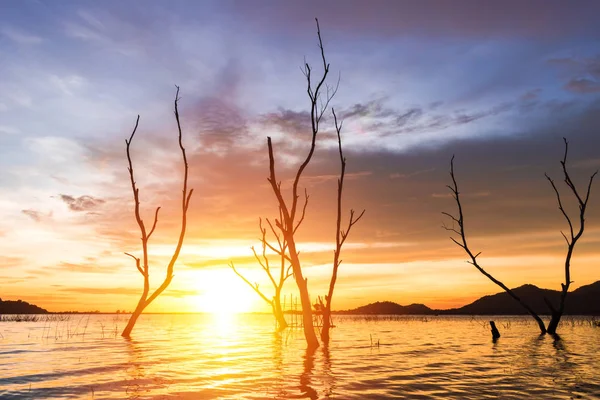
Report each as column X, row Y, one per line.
column 237, row 356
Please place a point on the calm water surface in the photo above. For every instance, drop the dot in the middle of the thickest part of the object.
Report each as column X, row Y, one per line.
column 239, row 357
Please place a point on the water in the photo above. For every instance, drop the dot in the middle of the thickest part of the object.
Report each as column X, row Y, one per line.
column 239, row 357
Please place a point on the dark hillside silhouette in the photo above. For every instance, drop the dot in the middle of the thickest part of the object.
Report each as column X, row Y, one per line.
column 390, row 308
column 20, row 307
column 583, row 301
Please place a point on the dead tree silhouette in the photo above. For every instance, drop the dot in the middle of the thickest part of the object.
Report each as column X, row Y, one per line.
column 340, row 235
column 458, row 227
column 285, row 271
column 289, row 222
column 143, row 264
column 571, row 240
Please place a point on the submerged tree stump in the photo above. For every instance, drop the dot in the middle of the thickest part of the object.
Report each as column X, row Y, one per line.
column 495, row 332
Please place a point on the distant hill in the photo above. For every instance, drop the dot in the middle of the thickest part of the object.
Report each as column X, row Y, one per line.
column 20, row 307
column 390, row 308
column 583, row 301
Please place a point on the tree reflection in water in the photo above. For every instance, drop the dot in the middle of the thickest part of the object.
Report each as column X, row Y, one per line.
column 306, row 377
column 136, row 373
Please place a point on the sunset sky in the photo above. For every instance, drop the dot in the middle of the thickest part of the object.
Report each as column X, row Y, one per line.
column 420, row 81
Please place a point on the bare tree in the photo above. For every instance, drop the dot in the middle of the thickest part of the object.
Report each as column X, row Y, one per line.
column 143, row 264
column 340, row 235
column 460, row 231
column 285, row 271
column 458, row 227
column 571, row 240
column 290, row 221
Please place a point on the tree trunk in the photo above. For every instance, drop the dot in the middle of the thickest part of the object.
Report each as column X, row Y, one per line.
column 539, row 322
column 326, row 325
column 307, row 320
column 554, row 321
column 278, row 312
column 133, row 319
column 557, row 314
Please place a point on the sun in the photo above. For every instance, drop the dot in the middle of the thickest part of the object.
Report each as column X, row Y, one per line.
column 224, row 293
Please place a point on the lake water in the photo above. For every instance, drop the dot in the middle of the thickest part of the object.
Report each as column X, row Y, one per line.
column 239, row 357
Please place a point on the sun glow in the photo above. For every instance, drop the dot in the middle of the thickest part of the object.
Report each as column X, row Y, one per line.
column 224, row 293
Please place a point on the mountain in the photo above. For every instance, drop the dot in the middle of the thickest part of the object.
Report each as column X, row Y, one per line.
column 582, row 301
column 390, row 308
column 20, row 307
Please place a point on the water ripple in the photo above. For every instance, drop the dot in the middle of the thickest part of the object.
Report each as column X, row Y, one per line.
column 239, row 357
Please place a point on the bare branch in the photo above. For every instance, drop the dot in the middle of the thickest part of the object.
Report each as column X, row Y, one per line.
column 272, row 230
column 451, row 216
column 303, row 210
column 314, row 117
column 155, row 221
column 254, row 286
column 137, row 263
column 450, row 229
column 560, row 206
column 289, row 272
column 185, row 202
column 574, row 237
column 340, row 235
column 145, row 300
column 473, row 257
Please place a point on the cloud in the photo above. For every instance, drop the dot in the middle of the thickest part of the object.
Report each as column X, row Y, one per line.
column 464, row 18
column 9, row 130
column 81, row 203
column 583, row 85
column 313, row 180
column 91, row 266
column 33, row 214
column 126, row 291
column 584, row 71
column 9, row 262
column 294, row 123
column 377, row 119
column 21, row 37
column 397, row 175
column 531, row 95
column 382, row 120
column 68, row 84
column 585, row 65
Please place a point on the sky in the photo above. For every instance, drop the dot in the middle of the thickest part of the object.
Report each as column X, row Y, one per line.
column 497, row 84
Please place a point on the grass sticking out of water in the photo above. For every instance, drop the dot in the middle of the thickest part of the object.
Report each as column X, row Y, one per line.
column 34, row 318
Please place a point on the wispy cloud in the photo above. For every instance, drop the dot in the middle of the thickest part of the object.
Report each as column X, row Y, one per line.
column 81, row 203
column 583, row 85
column 9, row 130
column 33, row 214
column 126, row 291
column 20, row 37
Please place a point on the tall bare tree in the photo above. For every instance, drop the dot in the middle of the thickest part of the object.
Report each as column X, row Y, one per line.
column 582, row 202
column 284, row 273
column 340, row 234
column 291, row 219
column 143, row 263
column 458, row 227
